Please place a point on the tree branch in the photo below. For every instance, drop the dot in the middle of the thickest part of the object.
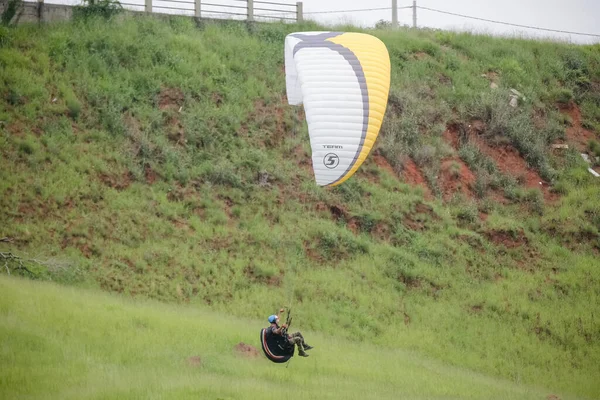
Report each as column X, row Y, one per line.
column 15, row 259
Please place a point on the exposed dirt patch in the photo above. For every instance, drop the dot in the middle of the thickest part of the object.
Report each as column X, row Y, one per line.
column 313, row 254
column 509, row 161
column 320, row 206
column 150, row 174
column 383, row 163
column 451, row 135
column 180, row 193
column 413, row 176
column 353, row 225
column 271, row 119
column 118, row 182
column 132, row 124
column 194, row 361
column 445, row 79
column 406, row 318
column 80, row 243
column 228, row 204
column 217, row 99
column 33, row 208
column 423, row 208
column 170, row 99
column 539, row 118
column 17, row 129
column 411, row 282
column 338, row 212
column 175, row 129
column 576, row 240
column 395, row 105
column 576, row 133
column 180, row 224
column 414, row 224
column 302, row 159
column 246, row 350
column 508, row 239
column 78, row 240
column 492, row 76
column 419, row 219
column 498, row 196
column 507, row 158
column 381, row 231
column 421, row 55
column 255, row 275
column 417, row 282
column 473, row 241
column 476, row 309
column 476, row 126
column 455, row 177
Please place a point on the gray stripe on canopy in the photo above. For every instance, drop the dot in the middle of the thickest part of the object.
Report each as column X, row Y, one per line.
column 320, row 40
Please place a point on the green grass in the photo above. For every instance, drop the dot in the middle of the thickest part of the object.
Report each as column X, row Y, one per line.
column 67, row 343
column 138, row 167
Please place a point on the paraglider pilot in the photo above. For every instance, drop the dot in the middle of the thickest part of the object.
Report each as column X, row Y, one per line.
column 295, row 338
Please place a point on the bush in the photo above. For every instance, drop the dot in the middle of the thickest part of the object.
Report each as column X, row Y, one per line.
column 594, row 147
column 425, row 156
column 467, row 212
column 10, row 11
column 562, row 96
column 105, row 9
column 74, row 106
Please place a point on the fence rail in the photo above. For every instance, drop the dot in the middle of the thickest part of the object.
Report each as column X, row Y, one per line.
column 250, row 10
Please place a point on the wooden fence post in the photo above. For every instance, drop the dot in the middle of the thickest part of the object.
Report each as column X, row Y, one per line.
column 250, row 10
column 394, row 13
column 148, row 6
column 299, row 12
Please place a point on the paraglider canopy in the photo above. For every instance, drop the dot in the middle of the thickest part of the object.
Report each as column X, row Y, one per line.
column 343, row 80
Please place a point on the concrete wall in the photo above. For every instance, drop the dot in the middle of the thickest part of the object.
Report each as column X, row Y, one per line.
column 34, row 12
column 39, row 12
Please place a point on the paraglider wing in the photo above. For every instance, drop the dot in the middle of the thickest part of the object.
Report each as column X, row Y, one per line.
column 343, row 80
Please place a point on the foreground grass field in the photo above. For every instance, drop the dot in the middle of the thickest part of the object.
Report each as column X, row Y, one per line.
column 62, row 343
column 154, row 158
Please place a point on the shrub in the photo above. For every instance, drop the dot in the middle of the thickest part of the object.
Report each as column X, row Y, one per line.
column 10, row 11
column 425, row 156
column 97, row 8
column 563, row 96
column 467, row 212
column 594, row 147
column 454, row 169
column 74, row 106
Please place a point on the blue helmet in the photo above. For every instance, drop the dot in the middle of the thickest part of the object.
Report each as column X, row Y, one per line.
column 272, row 318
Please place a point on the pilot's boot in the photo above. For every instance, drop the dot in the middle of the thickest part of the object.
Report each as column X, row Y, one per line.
column 302, row 353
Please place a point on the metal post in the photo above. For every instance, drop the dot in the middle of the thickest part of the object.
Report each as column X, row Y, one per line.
column 299, row 12
column 250, row 10
column 394, row 13
column 148, row 6
column 198, row 8
column 414, row 13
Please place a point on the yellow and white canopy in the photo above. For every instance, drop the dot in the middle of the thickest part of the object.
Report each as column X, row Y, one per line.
column 343, row 80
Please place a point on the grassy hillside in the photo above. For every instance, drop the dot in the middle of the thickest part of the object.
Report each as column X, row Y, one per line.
column 159, row 159
column 68, row 344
